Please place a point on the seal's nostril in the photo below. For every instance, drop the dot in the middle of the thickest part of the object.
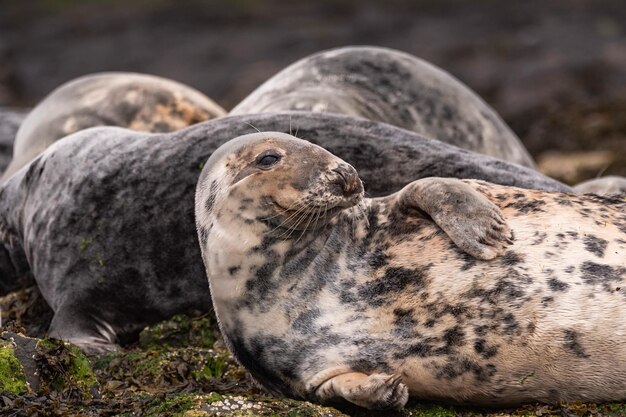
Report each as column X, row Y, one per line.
column 349, row 180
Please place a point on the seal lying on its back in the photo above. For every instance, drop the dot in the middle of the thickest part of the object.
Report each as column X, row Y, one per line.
column 393, row 87
column 324, row 295
column 105, row 216
column 136, row 101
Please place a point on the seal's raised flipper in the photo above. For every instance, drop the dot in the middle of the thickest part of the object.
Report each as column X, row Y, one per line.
column 374, row 392
column 473, row 222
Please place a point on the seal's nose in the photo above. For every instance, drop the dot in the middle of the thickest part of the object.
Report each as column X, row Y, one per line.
column 348, row 180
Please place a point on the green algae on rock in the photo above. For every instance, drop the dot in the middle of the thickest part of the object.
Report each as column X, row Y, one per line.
column 64, row 369
column 12, row 378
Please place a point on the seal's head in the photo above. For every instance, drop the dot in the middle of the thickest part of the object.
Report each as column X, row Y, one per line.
column 277, row 179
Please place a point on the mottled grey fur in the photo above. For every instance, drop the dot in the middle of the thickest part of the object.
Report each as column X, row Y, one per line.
column 392, row 87
column 325, row 296
column 105, row 216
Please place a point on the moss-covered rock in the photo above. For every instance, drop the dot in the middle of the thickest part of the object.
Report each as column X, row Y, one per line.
column 65, row 370
column 12, row 377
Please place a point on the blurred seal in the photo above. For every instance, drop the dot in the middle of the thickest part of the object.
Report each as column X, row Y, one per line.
column 609, row 185
column 135, row 101
column 392, row 87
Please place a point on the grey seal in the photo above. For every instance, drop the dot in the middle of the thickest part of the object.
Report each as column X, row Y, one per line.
column 104, row 217
column 135, row 101
column 393, row 87
column 325, row 295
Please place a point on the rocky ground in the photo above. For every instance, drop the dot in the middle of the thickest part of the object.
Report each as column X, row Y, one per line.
column 554, row 69
column 180, row 367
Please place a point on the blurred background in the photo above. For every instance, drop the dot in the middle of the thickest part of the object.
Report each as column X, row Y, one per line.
column 554, row 69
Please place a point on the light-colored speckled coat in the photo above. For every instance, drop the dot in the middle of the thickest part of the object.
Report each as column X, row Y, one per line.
column 363, row 301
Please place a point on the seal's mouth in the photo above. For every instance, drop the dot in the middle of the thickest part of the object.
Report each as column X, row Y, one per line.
column 309, row 216
column 311, row 210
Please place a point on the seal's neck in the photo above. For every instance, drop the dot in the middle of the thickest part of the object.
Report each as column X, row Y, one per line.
column 241, row 242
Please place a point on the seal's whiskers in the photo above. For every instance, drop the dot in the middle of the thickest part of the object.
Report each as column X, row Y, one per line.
column 293, row 215
column 252, row 126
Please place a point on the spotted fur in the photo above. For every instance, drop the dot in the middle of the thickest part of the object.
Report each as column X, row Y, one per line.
column 375, row 300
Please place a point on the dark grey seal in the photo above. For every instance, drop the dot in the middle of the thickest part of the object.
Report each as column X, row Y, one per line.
column 392, row 87
column 105, row 217
column 136, row 101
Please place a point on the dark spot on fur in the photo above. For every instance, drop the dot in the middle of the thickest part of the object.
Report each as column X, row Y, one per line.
column 511, row 258
column 304, row 322
column 457, row 366
column 556, row 285
column 378, row 259
column 395, row 280
column 420, row 349
column 480, row 346
column 454, row 336
column 262, row 285
column 572, row 342
column 234, row 269
column 510, row 324
column 527, row 206
column 599, row 274
column 595, row 245
column 539, row 237
column 468, row 261
column 404, row 323
column 480, row 330
column 203, row 233
column 208, row 204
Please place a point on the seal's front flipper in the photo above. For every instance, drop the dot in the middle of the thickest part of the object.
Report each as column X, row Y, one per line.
column 374, row 392
column 473, row 222
column 93, row 337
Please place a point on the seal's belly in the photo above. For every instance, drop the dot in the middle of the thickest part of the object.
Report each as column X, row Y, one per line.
column 545, row 320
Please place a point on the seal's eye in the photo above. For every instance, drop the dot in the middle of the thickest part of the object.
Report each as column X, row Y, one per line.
column 267, row 159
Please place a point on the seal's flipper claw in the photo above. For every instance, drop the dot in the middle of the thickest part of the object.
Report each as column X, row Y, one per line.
column 374, row 392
